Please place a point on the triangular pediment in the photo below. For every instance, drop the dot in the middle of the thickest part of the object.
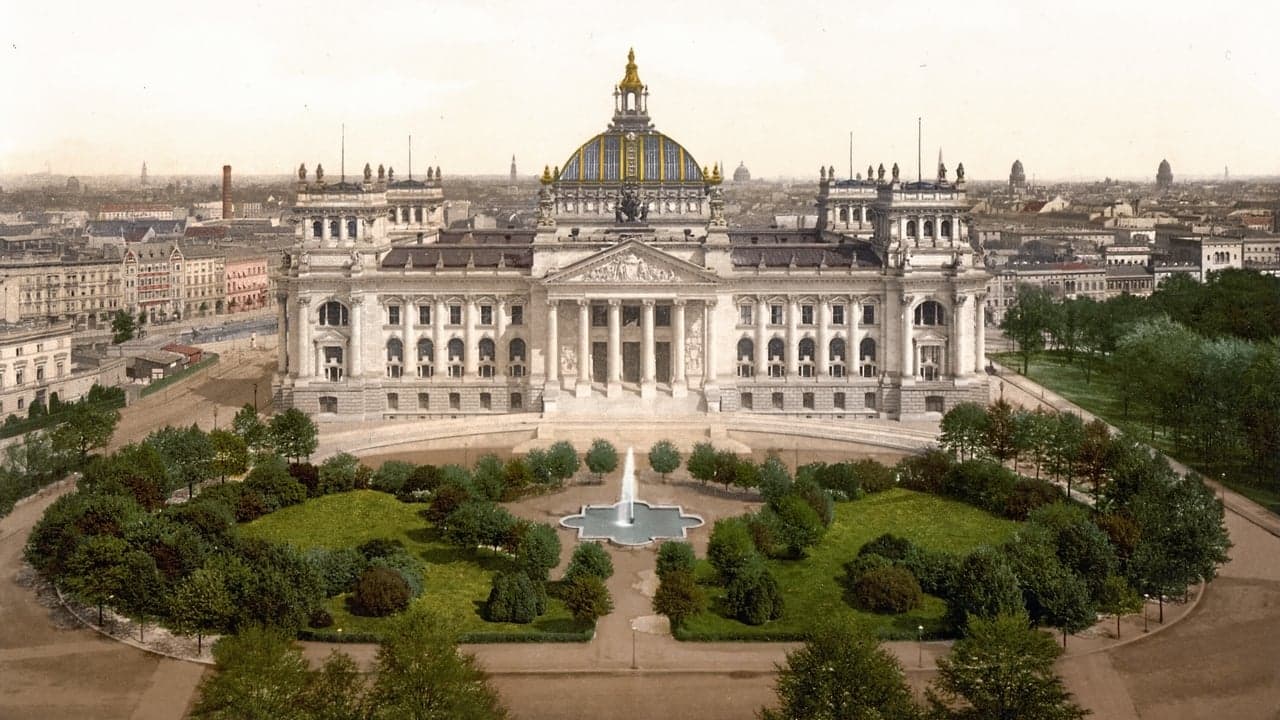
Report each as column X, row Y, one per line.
column 632, row 263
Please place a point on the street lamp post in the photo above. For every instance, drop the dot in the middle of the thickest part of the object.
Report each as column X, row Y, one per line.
column 920, row 645
column 1145, row 623
column 633, row 650
column 255, row 397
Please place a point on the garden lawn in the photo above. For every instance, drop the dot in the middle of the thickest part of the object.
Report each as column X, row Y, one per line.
column 813, row 589
column 1101, row 396
column 456, row 582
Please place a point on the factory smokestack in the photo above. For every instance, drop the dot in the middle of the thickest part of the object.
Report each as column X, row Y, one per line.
column 227, row 212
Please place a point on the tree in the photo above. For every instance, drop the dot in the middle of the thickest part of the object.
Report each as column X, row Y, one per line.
column 538, row 550
column 202, row 603
column 1117, row 598
column 187, row 453
column 798, row 526
column 380, row 591
column 96, row 572
column 679, row 597
column 602, row 457
column 701, row 463
column 964, row 429
column 1002, row 670
column 985, row 586
column 340, row 473
column 1027, row 321
column 674, row 556
column 730, row 548
column 261, row 676
column 421, row 675
column 1183, row 538
column 85, row 426
column 753, row 595
column 293, row 434
column 590, row 559
column 1064, row 447
column 514, row 598
column 230, row 454
column 1001, row 436
column 562, row 461
column 478, row 523
column 123, row 326
column 249, row 427
column 587, row 598
column 1094, row 457
column 774, row 480
column 336, row 690
column 664, row 458
column 841, row 672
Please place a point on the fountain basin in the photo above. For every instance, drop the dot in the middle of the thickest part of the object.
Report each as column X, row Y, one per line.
column 650, row 523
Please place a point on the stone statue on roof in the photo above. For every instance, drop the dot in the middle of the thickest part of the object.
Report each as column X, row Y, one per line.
column 880, row 173
column 382, row 172
column 302, row 171
column 895, row 172
column 960, row 172
column 368, row 172
column 319, row 172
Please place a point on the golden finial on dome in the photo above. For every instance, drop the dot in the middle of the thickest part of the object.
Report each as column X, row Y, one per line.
column 631, row 81
column 715, row 173
column 546, row 175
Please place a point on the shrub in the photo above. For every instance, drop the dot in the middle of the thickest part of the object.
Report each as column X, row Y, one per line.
column 797, row 526
column 319, row 619
column 887, row 590
column 486, row 477
column 408, row 569
column 985, row 586
column 861, row 565
column 447, row 498
column 773, row 479
column 380, row 547
column 338, row 569
column 393, row 476
column 341, row 473
column 517, row 475
column 1029, row 494
column 753, row 595
column 424, row 478
column 674, row 556
column 514, row 598
column 538, row 550
column 679, row 597
column 935, row 571
column 817, row 498
column 590, row 559
column 308, row 475
column 873, row 476
column 924, row 473
column 586, row 597
column 764, row 529
column 702, row 462
column 270, row 478
column 380, row 591
column 888, row 546
column 477, row 523
column 983, row 483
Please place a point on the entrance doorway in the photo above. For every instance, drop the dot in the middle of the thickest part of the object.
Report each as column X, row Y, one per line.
column 662, row 366
column 631, row 362
column 599, row 361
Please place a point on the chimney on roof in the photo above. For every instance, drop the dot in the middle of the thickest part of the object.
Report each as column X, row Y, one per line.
column 227, row 212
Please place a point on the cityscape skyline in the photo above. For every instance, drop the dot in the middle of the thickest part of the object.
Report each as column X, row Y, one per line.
column 475, row 83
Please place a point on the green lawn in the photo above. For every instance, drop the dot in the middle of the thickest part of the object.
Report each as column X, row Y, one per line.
column 456, row 581
column 812, row 586
column 1100, row 396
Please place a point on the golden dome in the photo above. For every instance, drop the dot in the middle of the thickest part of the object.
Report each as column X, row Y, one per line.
column 633, row 157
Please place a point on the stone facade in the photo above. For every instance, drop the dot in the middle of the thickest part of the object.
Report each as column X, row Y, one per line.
column 632, row 288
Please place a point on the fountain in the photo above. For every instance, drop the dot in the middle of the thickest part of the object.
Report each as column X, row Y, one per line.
column 629, row 521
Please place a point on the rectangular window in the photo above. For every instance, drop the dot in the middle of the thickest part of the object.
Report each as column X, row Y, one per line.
column 455, row 314
column 746, row 401
column 424, row 401
column 837, row 401
column 486, row 315
column 328, row 404
column 455, row 401
column 19, row 376
column 934, row 403
column 630, row 315
column 775, row 314
column 745, row 314
column 776, row 399
column 869, row 401
column 424, row 314
column 806, row 314
column 662, row 316
column 837, row 314
column 517, row 401
column 393, row 401
column 517, row 314
column 807, row 400
column 868, row 314
column 486, row 401
column 40, row 373
column 599, row 315
column 393, row 314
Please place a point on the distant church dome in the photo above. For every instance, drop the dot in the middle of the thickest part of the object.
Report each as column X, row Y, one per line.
column 742, row 174
column 1017, row 178
column 1164, row 175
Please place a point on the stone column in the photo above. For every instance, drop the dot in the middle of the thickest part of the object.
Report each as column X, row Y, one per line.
column 470, row 353
column 409, row 360
column 822, row 355
column 793, row 351
column 551, row 353
column 908, row 350
column 955, row 331
column 614, row 388
column 282, row 335
column 980, row 334
column 324, row 229
column 342, row 228
column 302, row 360
column 356, row 350
column 853, row 360
column 762, row 337
column 679, row 384
column 501, row 346
column 583, row 388
column 648, row 351
column 440, row 340
column 709, row 346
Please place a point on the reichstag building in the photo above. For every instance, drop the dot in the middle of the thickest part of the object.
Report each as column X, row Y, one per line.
column 631, row 292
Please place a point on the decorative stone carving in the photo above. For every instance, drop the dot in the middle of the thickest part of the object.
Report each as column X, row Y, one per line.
column 568, row 361
column 302, row 172
column 627, row 268
column 693, row 346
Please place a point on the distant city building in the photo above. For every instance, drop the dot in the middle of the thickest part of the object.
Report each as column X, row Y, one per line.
column 85, row 292
column 1164, row 176
column 35, row 362
column 1017, row 179
column 167, row 281
column 1064, row 281
column 136, row 211
column 513, row 169
column 741, row 174
column 144, row 173
column 73, row 185
column 248, row 282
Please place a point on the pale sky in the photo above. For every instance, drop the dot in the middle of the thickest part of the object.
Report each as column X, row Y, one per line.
column 1074, row 89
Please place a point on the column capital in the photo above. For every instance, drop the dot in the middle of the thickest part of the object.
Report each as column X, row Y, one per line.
column 679, row 302
column 648, row 302
column 357, row 299
column 614, row 302
column 583, row 302
column 553, row 303
column 304, row 299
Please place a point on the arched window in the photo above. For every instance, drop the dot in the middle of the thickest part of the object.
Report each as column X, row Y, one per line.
column 867, row 357
column 746, row 357
column 455, row 351
column 334, row 313
column 836, row 355
column 930, row 312
column 946, row 228
column 334, row 226
column 777, row 351
column 517, row 350
column 352, row 227
column 844, row 214
column 928, row 228
column 806, row 349
column 391, row 214
column 317, row 229
column 911, row 228
column 426, row 358
column 395, row 350
column 486, row 350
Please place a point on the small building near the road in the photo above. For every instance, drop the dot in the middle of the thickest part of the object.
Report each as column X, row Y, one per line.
column 191, row 354
column 156, row 364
